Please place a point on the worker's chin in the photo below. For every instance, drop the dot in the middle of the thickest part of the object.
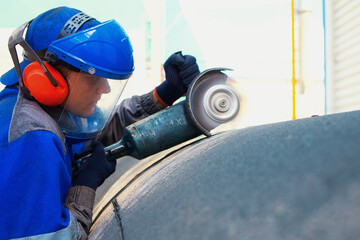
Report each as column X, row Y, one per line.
column 87, row 113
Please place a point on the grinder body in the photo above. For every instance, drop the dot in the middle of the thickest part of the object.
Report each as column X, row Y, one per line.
column 151, row 135
column 157, row 132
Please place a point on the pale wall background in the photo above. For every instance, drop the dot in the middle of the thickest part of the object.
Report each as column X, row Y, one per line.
column 251, row 37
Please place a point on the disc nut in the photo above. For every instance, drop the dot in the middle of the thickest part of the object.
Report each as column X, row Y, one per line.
column 222, row 104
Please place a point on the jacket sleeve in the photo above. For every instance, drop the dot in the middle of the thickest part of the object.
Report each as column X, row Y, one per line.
column 80, row 202
column 35, row 183
column 37, row 171
column 127, row 112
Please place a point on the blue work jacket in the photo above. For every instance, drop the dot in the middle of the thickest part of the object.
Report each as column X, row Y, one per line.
column 36, row 165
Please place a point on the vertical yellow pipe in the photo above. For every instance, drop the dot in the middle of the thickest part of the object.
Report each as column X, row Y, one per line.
column 293, row 59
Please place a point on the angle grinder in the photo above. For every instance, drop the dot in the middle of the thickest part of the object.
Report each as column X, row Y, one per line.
column 213, row 100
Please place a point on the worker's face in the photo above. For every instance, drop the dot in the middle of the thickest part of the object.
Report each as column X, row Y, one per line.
column 85, row 90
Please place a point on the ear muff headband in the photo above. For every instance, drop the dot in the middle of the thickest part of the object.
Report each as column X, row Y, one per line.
column 17, row 38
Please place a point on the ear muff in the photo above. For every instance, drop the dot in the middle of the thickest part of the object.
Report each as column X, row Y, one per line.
column 40, row 87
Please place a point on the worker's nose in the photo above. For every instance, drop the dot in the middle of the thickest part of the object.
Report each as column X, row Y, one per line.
column 103, row 86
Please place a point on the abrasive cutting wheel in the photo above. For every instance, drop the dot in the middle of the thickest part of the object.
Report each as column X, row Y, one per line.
column 213, row 99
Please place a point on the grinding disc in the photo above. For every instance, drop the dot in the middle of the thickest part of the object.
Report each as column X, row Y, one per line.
column 213, row 99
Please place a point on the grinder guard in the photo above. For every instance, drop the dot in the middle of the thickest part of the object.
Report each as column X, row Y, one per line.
column 213, row 101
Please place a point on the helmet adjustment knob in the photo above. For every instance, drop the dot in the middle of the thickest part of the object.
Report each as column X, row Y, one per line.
column 51, row 58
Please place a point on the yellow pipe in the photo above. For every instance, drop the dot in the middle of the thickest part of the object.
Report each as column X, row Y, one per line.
column 293, row 59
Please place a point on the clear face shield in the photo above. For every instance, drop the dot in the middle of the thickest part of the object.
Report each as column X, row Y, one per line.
column 89, row 105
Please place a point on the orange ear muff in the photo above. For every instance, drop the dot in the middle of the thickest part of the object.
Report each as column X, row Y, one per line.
column 40, row 87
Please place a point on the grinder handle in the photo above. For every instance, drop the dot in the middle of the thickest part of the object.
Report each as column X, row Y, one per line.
column 110, row 152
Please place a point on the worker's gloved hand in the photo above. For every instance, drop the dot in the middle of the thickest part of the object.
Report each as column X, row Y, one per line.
column 96, row 168
column 180, row 71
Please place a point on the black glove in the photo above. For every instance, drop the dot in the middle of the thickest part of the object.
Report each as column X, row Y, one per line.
column 180, row 71
column 95, row 169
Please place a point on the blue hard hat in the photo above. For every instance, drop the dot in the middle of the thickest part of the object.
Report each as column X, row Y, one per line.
column 45, row 29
